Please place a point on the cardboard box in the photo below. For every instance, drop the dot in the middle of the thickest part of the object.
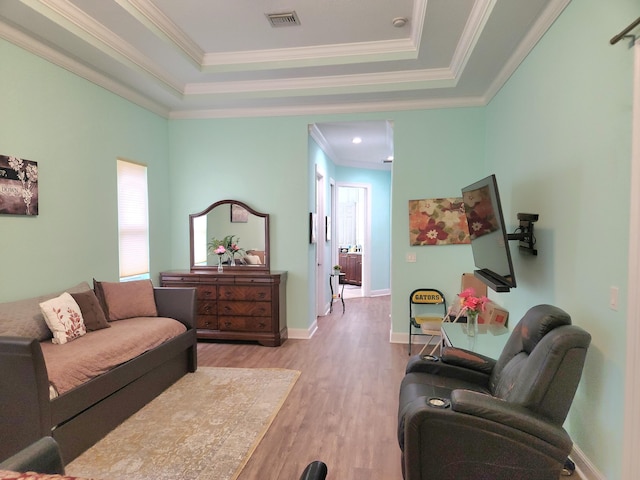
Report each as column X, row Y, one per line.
column 493, row 314
column 470, row 281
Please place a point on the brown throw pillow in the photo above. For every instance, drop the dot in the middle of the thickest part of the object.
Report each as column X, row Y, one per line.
column 92, row 313
column 126, row 299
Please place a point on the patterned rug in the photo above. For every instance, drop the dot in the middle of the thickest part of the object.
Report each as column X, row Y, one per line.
column 205, row 426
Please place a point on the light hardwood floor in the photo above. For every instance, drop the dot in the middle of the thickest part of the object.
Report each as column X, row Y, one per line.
column 343, row 408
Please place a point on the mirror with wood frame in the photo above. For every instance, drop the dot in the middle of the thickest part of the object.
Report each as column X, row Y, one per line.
column 242, row 232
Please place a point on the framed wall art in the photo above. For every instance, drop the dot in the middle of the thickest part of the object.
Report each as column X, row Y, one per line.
column 239, row 214
column 327, row 228
column 437, row 221
column 313, row 228
column 18, row 186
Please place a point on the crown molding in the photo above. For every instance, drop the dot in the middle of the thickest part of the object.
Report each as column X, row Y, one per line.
column 157, row 22
column 338, row 54
column 72, row 19
column 478, row 18
column 543, row 23
column 325, row 146
column 403, row 49
column 329, row 109
column 392, row 81
column 20, row 39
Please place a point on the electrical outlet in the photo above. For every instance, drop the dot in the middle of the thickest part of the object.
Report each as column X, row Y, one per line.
column 411, row 257
column 613, row 298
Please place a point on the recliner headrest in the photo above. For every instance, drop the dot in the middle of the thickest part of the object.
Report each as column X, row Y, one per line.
column 540, row 320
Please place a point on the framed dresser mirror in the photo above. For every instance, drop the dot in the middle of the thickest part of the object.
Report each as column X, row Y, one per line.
column 234, row 224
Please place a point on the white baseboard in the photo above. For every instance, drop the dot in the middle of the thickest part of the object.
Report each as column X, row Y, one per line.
column 584, row 467
column 380, row 293
column 301, row 333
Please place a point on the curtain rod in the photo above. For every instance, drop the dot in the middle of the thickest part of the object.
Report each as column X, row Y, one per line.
column 624, row 32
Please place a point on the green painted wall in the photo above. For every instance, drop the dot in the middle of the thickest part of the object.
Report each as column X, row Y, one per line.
column 263, row 161
column 75, row 131
column 558, row 137
column 259, row 161
column 437, row 152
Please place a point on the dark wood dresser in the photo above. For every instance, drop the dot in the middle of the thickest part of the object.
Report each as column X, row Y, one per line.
column 236, row 305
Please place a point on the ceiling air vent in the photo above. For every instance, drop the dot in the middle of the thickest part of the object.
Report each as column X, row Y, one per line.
column 288, row 19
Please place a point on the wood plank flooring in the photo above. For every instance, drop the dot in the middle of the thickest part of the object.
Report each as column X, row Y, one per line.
column 343, row 409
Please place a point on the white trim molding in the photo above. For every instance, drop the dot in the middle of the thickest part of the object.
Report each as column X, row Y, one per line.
column 631, row 436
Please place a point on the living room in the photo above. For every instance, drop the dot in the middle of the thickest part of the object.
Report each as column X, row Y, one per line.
column 557, row 135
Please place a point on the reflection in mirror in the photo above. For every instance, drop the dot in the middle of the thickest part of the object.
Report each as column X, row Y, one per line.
column 229, row 223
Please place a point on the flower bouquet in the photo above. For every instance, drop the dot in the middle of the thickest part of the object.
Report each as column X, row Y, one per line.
column 471, row 306
column 227, row 246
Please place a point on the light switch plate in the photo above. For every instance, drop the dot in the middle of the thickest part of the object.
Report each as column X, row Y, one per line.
column 411, row 257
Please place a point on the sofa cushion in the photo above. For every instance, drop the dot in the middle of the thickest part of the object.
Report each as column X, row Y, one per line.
column 98, row 352
column 23, row 318
column 64, row 318
column 92, row 313
column 122, row 300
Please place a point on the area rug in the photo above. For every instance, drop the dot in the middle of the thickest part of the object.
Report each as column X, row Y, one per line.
column 205, row 426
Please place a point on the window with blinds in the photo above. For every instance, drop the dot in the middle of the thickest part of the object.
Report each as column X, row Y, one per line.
column 133, row 220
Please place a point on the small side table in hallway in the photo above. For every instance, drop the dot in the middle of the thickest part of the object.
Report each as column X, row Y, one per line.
column 338, row 292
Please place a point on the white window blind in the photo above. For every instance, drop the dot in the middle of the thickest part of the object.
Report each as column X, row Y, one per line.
column 133, row 219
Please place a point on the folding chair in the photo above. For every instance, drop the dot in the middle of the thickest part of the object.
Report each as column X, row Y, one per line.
column 427, row 310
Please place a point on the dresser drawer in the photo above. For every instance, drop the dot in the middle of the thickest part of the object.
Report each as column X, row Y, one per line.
column 207, row 292
column 252, row 309
column 238, row 292
column 245, row 324
column 206, row 308
column 207, row 322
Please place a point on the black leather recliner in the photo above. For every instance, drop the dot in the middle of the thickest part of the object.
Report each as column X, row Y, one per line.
column 465, row 416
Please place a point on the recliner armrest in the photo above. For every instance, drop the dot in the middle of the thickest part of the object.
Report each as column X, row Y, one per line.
column 467, row 359
column 436, row 366
column 42, row 456
column 510, row 414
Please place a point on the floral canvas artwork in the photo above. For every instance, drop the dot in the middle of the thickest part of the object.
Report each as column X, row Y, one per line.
column 437, row 221
column 18, row 186
column 481, row 215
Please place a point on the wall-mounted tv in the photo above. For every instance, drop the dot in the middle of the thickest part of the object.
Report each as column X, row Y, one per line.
column 489, row 238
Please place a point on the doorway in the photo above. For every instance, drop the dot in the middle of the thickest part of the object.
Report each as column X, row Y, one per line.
column 353, row 244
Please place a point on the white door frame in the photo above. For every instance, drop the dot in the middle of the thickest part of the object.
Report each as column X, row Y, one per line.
column 631, row 439
column 320, row 245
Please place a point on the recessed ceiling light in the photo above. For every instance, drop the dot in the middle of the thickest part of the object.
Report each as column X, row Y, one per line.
column 356, row 140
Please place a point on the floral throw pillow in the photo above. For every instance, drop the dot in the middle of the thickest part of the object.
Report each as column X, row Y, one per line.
column 64, row 318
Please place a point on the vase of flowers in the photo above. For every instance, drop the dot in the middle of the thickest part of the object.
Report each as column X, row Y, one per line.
column 472, row 306
column 220, row 251
column 227, row 246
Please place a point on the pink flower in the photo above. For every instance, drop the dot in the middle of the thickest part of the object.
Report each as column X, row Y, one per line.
column 469, row 302
column 220, row 250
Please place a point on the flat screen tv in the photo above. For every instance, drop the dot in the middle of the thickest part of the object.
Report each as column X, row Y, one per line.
column 489, row 238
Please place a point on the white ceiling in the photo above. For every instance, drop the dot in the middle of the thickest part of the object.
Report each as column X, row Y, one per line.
column 222, row 58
